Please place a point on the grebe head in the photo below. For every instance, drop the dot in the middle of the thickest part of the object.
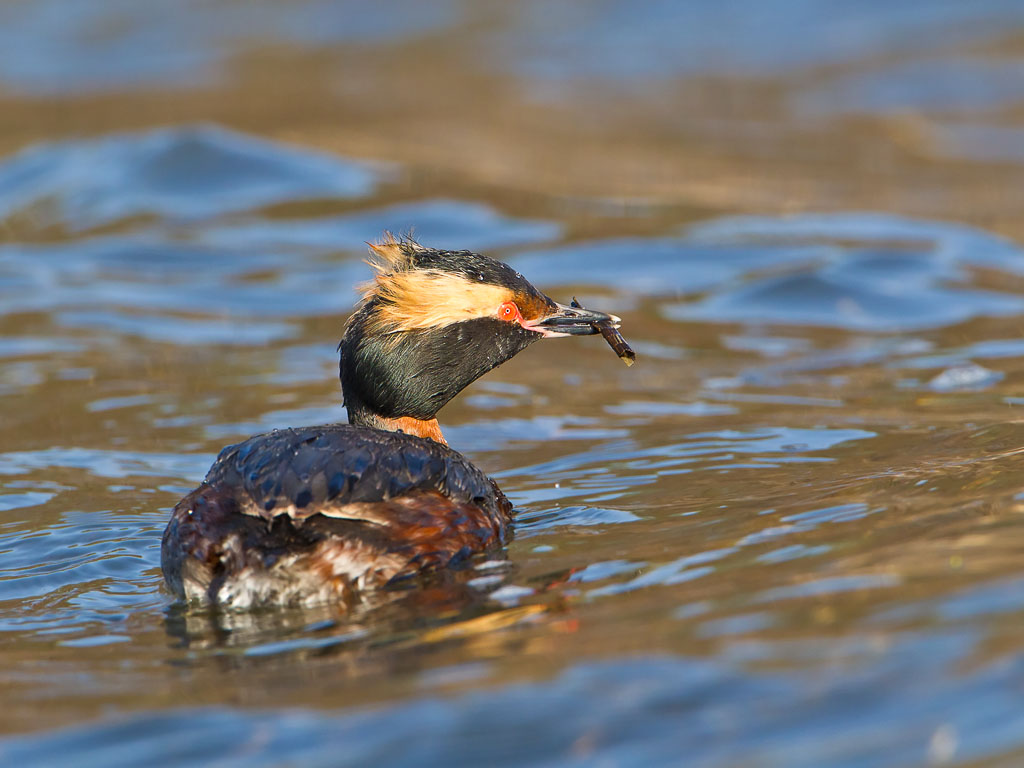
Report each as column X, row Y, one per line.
column 430, row 323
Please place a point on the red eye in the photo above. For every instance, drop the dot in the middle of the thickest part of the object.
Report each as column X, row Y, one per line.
column 508, row 311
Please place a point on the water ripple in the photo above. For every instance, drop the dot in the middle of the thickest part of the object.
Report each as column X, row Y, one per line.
column 440, row 223
column 190, row 172
column 107, row 463
column 867, row 283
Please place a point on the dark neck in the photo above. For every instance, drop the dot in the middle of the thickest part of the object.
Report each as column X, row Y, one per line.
column 364, row 417
column 397, row 376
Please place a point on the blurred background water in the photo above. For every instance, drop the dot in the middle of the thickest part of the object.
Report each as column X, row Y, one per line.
column 789, row 536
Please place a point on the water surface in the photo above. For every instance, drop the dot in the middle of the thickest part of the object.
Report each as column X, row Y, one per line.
column 787, row 537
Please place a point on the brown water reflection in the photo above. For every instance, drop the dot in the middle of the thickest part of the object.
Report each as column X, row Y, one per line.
column 788, row 536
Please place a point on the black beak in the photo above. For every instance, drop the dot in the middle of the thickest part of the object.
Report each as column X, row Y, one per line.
column 571, row 321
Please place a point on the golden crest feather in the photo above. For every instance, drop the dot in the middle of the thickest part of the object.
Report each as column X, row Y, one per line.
column 410, row 299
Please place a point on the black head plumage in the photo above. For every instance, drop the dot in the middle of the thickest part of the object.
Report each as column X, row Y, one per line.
column 428, row 326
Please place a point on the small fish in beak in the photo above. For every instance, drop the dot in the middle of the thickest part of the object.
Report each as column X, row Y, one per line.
column 609, row 328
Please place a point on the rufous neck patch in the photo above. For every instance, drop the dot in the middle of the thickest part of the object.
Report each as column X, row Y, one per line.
column 410, row 426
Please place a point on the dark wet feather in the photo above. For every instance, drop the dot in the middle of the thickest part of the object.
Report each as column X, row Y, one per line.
column 317, row 468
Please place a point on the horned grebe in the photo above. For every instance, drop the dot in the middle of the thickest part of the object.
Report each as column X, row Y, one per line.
column 331, row 513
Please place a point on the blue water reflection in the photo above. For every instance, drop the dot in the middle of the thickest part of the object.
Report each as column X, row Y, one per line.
column 50, row 46
column 190, row 172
